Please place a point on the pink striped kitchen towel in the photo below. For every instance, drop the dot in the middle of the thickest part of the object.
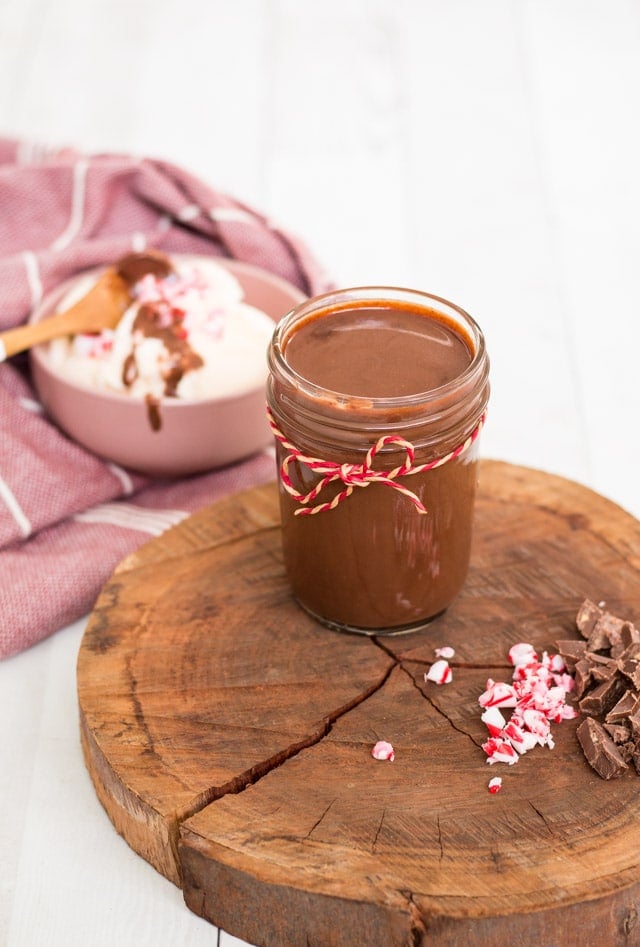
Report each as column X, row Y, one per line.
column 66, row 517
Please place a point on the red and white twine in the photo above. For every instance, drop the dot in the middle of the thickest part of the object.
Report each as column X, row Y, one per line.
column 359, row 475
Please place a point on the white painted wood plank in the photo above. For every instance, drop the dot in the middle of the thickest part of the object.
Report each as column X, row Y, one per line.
column 185, row 81
column 21, row 707
column 586, row 108
column 481, row 226
column 75, row 881
column 228, row 940
column 339, row 168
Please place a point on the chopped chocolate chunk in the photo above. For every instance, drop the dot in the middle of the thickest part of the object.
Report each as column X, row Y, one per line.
column 602, row 668
column 619, row 732
column 587, row 616
column 603, row 672
column 599, row 639
column 572, row 650
column 631, row 670
column 635, row 755
column 634, row 722
column 607, row 687
column 629, row 635
column 625, row 706
column 602, row 698
column 582, row 677
column 630, row 653
column 593, row 658
column 609, row 627
column 600, row 750
column 626, row 751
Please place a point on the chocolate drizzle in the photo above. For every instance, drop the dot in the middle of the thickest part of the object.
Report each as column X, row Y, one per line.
column 153, row 412
column 157, row 322
column 134, row 266
column 166, row 324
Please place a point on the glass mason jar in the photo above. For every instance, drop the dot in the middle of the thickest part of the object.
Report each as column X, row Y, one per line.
column 377, row 481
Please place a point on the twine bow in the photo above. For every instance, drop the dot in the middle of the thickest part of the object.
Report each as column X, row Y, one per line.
column 359, row 475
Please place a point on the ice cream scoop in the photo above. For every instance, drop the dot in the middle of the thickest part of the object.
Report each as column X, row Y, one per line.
column 101, row 308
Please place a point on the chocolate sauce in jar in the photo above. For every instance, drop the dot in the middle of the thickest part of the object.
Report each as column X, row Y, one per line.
column 347, row 369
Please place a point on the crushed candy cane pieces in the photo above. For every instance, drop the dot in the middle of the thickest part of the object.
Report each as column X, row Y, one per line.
column 439, row 672
column 495, row 784
column 537, row 698
column 522, row 654
column 446, row 652
column 494, row 721
column 383, row 751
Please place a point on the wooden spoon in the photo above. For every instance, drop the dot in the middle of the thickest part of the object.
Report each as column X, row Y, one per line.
column 101, row 308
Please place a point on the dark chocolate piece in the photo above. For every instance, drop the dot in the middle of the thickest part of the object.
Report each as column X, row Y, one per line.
column 587, row 616
column 631, row 670
column 602, row 698
column 629, row 635
column 634, row 722
column 602, row 667
column 572, row 650
column 600, row 750
column 611, row 627
column 599, row 639
column 630, row 653
column 582, row 677
column 593, row 658
column 626, row 751
column 624, row 706
column 619, row 733
column 634, row 750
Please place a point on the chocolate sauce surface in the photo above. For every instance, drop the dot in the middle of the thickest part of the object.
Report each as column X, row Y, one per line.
column 378, row 352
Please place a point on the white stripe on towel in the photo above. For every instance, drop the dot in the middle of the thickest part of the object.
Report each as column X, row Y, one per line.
column 80, row 169
column 188, row 212
column 129, row 516
column 27, row 151
column 14, row 508
column 123, row 477
column 138, row 241
column 33, row 276
column 29, row 404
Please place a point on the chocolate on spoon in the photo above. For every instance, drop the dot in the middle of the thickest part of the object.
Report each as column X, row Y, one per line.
column 101, row 308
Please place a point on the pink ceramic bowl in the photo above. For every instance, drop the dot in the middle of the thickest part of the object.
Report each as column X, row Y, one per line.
column 194, row 435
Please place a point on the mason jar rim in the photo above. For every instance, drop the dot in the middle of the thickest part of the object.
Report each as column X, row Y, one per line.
column 343, row 299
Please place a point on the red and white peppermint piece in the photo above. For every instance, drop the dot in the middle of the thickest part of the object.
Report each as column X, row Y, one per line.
column 520, row 738
column 498, row 694
column 439, row 672
column 495, row 784
column 522, row 654
column 383, row 751
column 445, row 652
column 500, row 751
column 494, row 721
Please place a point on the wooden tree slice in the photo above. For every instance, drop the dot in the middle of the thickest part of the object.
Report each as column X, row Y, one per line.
column 228, row 737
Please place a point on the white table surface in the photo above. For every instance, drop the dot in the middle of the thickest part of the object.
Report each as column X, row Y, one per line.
column 484, row 151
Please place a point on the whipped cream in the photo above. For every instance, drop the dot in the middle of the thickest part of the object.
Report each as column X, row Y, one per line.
column 189, row 335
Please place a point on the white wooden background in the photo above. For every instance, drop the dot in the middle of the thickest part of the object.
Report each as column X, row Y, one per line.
column 484, row 150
